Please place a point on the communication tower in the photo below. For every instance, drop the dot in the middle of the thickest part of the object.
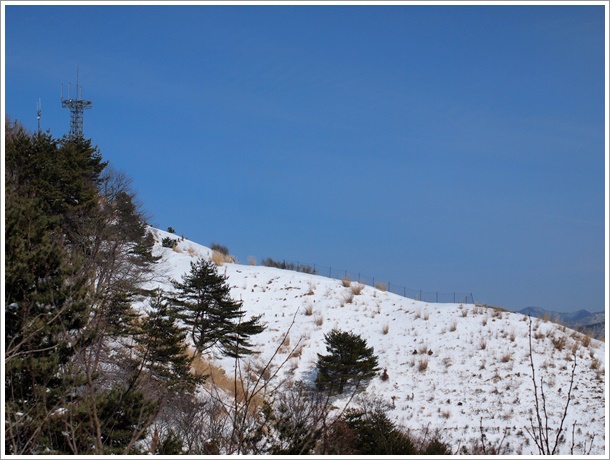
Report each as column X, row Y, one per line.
column 76, row 105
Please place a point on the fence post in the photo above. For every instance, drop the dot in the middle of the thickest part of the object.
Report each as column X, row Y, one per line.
column 373, row 282
column 389, row 290
column 436, row 296
column 454, row 297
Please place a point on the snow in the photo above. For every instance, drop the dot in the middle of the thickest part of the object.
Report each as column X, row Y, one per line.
column 453, row 367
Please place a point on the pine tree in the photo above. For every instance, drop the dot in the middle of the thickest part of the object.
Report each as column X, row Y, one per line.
column 349, row 362
column 214, row 319
column 162, row 348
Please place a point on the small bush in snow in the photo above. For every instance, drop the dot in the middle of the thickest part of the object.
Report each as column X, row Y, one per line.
column 219, row 248
column 346, row 281
column 382, row 287
column 168, row 242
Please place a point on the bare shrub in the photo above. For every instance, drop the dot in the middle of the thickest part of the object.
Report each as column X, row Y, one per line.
column 297, row 352
column 319, row 319
column 346, row 281
column 453, row 326
column 559, row 342
column 426, row 315
column 220, row 258
column 349, row 298
column 308, row 310
column 357, row 288
column 381, row 286
column 506, row 357
column 464, row 313
column 252, row 261
column 483, row 343
column 422, row 364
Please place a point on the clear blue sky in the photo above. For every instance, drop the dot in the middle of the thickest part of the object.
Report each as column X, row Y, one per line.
column 449, row 148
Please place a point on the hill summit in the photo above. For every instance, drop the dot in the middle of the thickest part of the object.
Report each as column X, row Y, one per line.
column 462, row 370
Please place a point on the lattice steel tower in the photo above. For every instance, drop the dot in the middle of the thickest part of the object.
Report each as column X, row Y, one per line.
column 76, row 106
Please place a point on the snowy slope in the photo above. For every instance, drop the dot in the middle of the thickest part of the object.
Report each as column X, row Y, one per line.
column 455, row 367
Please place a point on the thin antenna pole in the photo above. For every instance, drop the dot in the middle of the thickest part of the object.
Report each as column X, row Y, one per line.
column 39, row 113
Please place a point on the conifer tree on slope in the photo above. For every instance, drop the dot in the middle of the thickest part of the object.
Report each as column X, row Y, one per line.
column 349, row 362
column 214, row 319
column 163, row 350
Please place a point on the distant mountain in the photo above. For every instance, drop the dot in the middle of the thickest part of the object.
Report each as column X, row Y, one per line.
column 581, row 320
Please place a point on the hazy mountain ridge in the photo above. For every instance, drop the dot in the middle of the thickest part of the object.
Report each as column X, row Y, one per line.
column 452, row 367
column 581, row 320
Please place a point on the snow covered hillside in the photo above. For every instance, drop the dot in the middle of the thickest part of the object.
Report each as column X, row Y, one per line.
column 453, row 367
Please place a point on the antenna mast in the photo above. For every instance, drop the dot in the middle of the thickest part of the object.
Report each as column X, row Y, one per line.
column 76, row 106
column 39, row 113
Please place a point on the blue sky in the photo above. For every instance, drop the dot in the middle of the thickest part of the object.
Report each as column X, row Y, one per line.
column 443, row 148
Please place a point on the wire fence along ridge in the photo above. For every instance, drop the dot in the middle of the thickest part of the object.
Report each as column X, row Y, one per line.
column 342, row 274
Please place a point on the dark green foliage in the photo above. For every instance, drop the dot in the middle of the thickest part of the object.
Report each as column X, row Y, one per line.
column 214, row 319
column 349, row 362
column 162, row 349
column 168, row 242
column 220, row 248
column 369, row 431
column 171, row 444
column 171, row 230
column 46, row 302
column 377, row 435
column 269, row 262
column 72, row 247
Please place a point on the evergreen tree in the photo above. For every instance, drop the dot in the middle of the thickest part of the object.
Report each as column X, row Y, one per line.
column 162, row 349
column 46, row 304
column 349, row 362
column 214, row 319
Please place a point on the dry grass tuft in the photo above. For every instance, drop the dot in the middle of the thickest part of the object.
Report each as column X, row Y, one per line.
column 422, row 364
column 483, row 343
column 252, row 261
column 319, row 319
column 346, row 281
column 559, row 342
column 357, row 288
column 382, row 287
column 308, row 310
column 385, row 329
column 219, row 258
column 453, row 326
